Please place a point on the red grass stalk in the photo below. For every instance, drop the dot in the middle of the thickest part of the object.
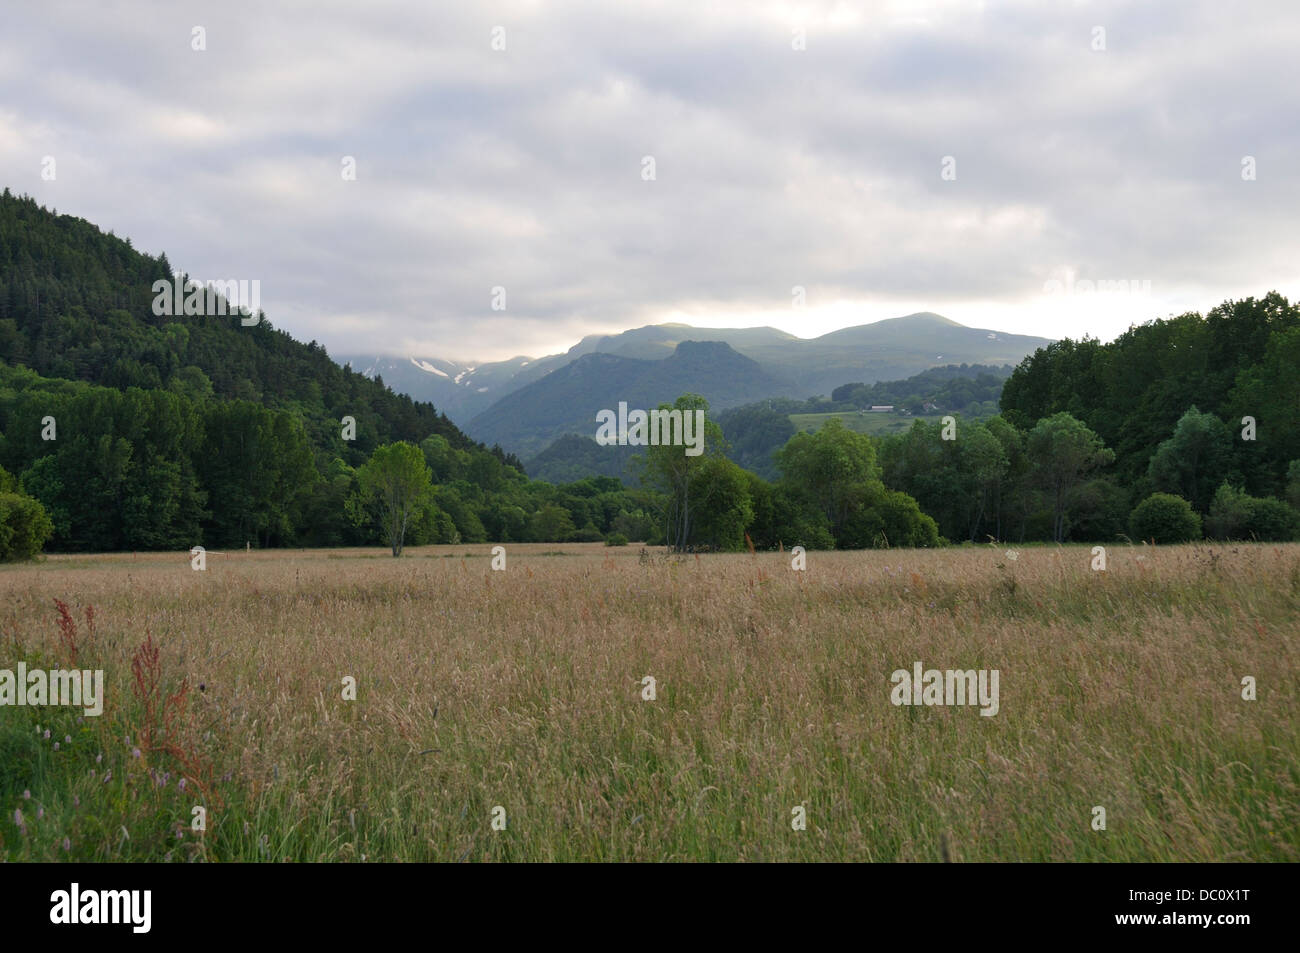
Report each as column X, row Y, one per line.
column 67, row 632
column 166, row 727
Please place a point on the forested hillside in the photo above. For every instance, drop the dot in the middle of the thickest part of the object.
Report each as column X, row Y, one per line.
column 1241, row 359
column 953, row 388
column 757, row 431
column 76, row 303
column 576, row 457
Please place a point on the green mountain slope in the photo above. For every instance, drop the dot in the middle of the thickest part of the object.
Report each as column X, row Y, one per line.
column 568, row 399
column 573, row 457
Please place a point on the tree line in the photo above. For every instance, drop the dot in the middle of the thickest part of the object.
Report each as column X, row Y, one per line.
column 152, row 469
column 97, row 469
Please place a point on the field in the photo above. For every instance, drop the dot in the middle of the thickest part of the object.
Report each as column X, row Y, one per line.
column 875, row 424
column 523, row 690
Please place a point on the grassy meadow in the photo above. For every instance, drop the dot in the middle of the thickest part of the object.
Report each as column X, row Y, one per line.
column 878, row 425
column 522, row 689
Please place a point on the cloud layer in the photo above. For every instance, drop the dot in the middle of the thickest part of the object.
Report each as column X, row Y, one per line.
column 774, row 166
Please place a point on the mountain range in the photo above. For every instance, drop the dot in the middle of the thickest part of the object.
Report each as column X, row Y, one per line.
column 524, row 403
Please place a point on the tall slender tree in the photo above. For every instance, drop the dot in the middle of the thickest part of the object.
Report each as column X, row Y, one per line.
column 397, row 476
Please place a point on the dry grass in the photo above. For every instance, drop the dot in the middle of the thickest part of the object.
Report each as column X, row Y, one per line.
column 523, row 689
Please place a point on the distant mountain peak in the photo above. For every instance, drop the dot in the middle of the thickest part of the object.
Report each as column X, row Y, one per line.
column 924, row 317
column 707, row 351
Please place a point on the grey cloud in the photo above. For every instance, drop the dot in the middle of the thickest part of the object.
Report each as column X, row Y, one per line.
column 775, row 167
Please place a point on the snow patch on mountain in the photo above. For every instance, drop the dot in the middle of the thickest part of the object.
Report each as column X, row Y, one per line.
column 426, row 366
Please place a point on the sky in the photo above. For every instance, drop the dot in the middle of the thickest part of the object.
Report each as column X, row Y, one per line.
column 808, row 166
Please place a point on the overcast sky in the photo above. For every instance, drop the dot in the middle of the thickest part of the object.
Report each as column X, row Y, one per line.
column 1078, row 155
